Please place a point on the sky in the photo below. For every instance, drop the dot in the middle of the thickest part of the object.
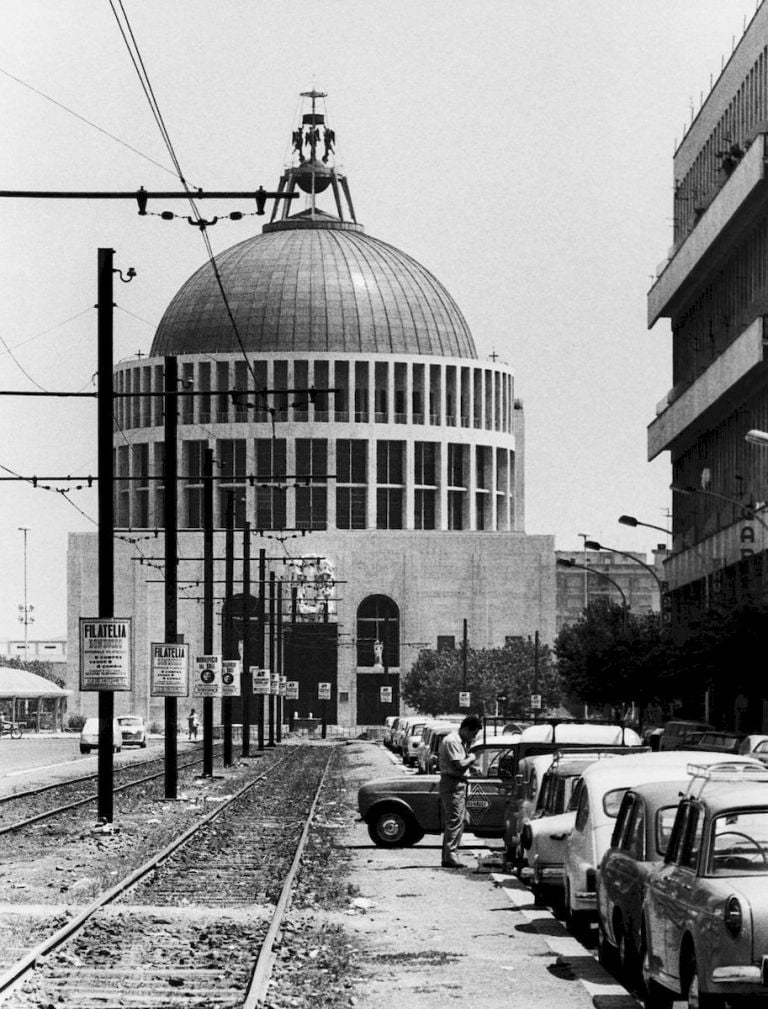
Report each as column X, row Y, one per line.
column 521, row 150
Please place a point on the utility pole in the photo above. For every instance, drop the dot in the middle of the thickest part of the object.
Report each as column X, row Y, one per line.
column 170, row 522
column 261, row 616
column 105, row 406
column 246, row 687
column 227, row 624
column 207, row 604
column 279, row 639
column 272, row 658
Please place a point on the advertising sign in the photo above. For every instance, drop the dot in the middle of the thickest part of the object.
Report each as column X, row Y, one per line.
column 283, row 682
column 464, row 699
column 230, row 677
column 106, row 653
column 168, row 670
column 261, row 680
column 324, row 691
column 292, row 690
column 535, row 702
column 206, row 680
column 385, row 693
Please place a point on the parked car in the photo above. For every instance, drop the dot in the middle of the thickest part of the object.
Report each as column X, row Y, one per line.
column 603, row 786
column 749, row 744
column 521, row 802
column 543, row 837
column 705, row 913
column 638, row 845
column 409, row 743
column 389, row 737
column 431, row 734
column 718, row 742
column 400, row 811
column 133, row 731
column 89, row 736
column 386, row 736
column 676, row 730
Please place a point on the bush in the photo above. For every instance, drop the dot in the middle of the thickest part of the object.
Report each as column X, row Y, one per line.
column 75, row 722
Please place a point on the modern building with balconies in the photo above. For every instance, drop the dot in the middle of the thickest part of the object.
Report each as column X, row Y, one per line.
column 376, row 458
column 713, row 287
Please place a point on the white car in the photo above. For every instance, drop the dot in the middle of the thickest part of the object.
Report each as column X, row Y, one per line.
column 89, row 736
column 133, row 731
column 602, row 789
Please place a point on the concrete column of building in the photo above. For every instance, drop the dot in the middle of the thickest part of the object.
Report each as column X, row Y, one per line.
column 408, row 477
column 470, row 479
column 390, row 373
column 290, row 496
column 441, row 520
column 371, row 497
column 494, row 514
column 331, row 485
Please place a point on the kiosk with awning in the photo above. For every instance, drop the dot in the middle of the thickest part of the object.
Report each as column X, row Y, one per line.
column 18, row 687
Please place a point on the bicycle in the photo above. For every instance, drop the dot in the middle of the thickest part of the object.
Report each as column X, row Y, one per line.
column 13, row 729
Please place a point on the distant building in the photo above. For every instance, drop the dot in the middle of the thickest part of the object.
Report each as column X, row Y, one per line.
column 599, row 574
column 377, row 459
column 51, row 650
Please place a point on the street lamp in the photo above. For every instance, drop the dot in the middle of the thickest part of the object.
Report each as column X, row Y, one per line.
column 565, row 562
column 755, row 437
column 748, row 510
column 594, row 545
column 25, row 609
column 630, row 520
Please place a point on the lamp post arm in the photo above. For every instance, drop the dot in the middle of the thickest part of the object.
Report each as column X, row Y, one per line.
column 637, row 560
column 752, row 512
column 602, row 574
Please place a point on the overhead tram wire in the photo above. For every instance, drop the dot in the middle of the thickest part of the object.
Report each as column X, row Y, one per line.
column 139, row 66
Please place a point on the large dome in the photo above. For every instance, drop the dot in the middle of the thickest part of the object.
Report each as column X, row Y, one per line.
column 314, row 283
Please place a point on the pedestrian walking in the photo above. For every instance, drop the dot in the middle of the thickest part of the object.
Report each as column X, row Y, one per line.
column 192, row 724
column 455, row 762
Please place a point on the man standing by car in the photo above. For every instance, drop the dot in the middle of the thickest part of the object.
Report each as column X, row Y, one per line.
column 454, row 762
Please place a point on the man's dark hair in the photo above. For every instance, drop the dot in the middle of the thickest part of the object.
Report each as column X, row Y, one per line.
column 473, row 723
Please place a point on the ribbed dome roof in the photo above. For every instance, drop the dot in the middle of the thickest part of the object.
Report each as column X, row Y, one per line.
column 314, row 284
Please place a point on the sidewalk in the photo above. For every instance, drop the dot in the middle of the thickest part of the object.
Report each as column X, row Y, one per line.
column 428, row 936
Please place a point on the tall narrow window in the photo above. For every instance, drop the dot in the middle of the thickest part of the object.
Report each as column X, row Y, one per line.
column 390, row 457
column 270, row 483
column 192, row 462
column 312, row 494
column 425, row 484
column 378, row 620
column 231, row 472
column 351, row 483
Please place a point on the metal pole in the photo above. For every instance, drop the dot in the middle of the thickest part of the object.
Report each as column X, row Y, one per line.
column 272, row 668
column 228, row 643
column 260, row 645
column 246, row 679
column 279, row 639
column 105, row 406
column 208, row 604
column 170, row 522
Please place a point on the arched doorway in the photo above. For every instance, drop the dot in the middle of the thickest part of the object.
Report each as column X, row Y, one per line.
column 378, row 659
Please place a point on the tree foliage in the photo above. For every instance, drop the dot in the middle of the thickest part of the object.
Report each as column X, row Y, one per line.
column 612, row 657
column 516, row 671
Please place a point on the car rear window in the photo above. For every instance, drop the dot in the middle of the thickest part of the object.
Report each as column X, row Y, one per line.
column 129, row 721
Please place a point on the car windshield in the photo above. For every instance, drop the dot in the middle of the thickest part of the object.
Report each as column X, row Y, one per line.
column 739, row 843
column 129, row 720
column 487, row 763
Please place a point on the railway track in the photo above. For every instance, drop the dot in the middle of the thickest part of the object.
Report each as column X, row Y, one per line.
column 21, row 809
column 194, row 925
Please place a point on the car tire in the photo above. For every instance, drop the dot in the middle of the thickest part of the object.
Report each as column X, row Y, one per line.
column 655, row 996
column 606, row 952
column 392, row 828
column 696, row 998
column 85, row 749
column 143, row 744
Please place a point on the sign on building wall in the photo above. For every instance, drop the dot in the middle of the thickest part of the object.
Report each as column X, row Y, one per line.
column 385, row 693
column 324, row 691
column 106, row 653
column 292, row 689
column 168, row 670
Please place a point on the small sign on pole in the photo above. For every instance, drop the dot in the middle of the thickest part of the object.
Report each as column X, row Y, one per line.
column 324, row 691
column 283, row 684
column 464, row 699
column 261, row 680
column 169, row 670
column 207, row 679
column 535, row 702
column 106, row 653
column 230, row 677
column 385, row 693
column 292, row 690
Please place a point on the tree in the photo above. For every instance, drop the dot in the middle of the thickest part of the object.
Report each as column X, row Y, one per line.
column 612, row 657
column 516, row 671
column 44, row 669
